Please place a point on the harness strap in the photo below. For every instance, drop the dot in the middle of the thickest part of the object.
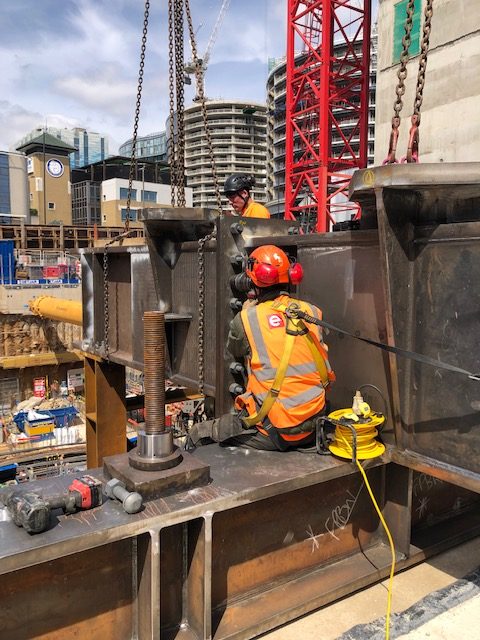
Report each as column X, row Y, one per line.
column 272, row 394
column 294, row 327
column 317, row 350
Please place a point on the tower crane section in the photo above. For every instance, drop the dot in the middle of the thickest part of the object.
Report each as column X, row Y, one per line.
column 328, row 55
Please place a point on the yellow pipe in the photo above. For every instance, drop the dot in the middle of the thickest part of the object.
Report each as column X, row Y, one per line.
column 57, row 309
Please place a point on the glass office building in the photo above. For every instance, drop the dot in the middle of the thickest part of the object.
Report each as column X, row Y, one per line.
column 152, row 147
column 89, row 146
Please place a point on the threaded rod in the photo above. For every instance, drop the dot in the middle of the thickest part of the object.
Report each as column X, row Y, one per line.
column 154, row 371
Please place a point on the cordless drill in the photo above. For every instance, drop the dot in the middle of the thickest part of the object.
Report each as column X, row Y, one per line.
column 32, row 512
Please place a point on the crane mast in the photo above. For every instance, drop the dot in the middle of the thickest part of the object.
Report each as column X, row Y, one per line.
column 328, row 55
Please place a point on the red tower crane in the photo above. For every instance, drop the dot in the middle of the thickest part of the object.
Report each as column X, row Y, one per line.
column 328, row 60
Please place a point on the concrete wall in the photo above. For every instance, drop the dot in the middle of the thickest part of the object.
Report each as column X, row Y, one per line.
column 450, row 126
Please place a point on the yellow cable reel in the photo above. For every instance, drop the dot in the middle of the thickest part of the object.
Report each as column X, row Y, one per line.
column 365, row 427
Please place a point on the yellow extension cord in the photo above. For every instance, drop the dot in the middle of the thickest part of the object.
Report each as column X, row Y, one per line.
column 367, row 448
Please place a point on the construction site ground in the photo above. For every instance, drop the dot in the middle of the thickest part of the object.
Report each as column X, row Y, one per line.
column 438, row 599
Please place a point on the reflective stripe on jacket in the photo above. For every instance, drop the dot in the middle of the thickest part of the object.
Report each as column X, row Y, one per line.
column 302, row 394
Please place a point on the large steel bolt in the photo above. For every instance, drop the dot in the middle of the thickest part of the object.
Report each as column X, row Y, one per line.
column 235, row 304
column 236, row 228
column 237, row 368
column 236, row 389
column 237, row 259
column 131, row 501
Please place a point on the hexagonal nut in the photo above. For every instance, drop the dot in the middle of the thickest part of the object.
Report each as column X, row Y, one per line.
column 111, row 485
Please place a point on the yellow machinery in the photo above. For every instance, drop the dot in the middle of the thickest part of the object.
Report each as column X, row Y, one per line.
column 57, row 309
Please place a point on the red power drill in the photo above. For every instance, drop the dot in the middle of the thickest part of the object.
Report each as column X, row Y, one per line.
column 32, row 512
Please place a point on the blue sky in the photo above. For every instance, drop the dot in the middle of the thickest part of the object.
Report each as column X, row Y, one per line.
column 75, row 62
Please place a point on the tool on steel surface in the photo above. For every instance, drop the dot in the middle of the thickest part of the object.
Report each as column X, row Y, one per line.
column 131, row 501
column 31, row 510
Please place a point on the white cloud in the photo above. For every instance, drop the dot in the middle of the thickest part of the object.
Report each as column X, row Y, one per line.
column 78, row 60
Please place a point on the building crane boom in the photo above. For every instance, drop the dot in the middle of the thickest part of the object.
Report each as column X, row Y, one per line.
column 214, row 34
column 190, row 66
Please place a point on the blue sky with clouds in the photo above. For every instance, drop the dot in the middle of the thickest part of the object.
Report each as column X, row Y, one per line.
column 75, row 62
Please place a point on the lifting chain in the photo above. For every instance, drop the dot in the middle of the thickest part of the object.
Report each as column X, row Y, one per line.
column 179, row 85
column 171, row 93
column 176, row 100
column 400, row 88
column 413, row 138
column 106, row 304
column 126, row 231
column 106, row 308
column 202, row 241
column 201, row 309
column 137, row 111
column 201, row 95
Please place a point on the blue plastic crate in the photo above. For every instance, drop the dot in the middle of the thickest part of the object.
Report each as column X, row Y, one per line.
column 62, row 416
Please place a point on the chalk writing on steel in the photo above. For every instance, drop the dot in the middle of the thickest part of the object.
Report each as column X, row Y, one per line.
column 337, row 520
column 424, row 482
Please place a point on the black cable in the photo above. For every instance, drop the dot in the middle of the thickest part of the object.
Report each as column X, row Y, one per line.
column 296, row 312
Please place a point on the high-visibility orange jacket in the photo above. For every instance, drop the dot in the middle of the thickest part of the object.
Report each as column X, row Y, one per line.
column 256, row 210
column 302, row 394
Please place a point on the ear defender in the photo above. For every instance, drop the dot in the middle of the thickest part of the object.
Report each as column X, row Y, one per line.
column 295, row 273
column 267, row 274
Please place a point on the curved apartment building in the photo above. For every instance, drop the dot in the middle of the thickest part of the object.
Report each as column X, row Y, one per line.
column 276, row 130
column 239, row 139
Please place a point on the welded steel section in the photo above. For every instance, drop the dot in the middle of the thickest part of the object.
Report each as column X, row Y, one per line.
column 131, row 291
column 340, row 278
column 185, row 301
column 105, row 410
column 172, row 237
column 429, row 234
column 273, row 537
column 84, row 595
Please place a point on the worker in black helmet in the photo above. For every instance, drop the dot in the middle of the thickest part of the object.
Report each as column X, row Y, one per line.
column 237, row 188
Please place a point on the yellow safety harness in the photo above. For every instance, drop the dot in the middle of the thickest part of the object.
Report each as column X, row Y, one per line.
column 294, row 327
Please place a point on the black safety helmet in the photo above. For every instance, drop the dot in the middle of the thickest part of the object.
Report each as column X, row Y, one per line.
column 238, row 182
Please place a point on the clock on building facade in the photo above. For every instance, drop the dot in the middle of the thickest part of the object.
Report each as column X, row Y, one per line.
column 55, row 168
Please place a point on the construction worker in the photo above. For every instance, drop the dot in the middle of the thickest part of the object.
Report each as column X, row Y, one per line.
column 237, row 188
column 286, row 360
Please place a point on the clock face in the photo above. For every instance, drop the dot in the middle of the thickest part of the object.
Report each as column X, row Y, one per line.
column 55, row 167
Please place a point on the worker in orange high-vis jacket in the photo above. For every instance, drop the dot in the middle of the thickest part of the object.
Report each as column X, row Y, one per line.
column 237, row 188
column 286, row 361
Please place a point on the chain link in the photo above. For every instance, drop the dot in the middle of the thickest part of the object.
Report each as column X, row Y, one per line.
column 180, row 88
column 126, row 232
column 171, row 92
column 400, row 88
column 199, row 77
column 201, row 309
column 414, row 135
column 202, row 241
column 106, row 308
column 137, row 111
column 106, row 302
column 422, row 65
